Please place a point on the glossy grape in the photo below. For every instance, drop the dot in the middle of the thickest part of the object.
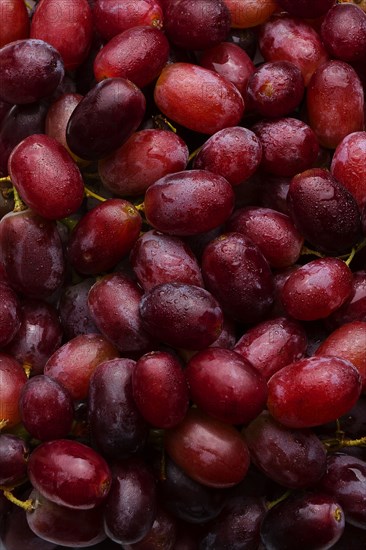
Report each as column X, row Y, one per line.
column 157, row 258
column 116, row 425
column 347, row 167
column 12, row 378
column 187, row 203
column 30, row 70
column 208, row 451
column 273, row 344
column 46, row 177
column 15, row 21
column 67, row 27
column 354, row 309
column 162, row 535
column 104, row 236
column 14, row 453
column 114, row 307
column 69, row 473
column 250, row 13
column 198, row 98
column 343, row 32
column 234, row 153
column 74, row 313
column 9, row 314
column 313, row 391
column 58, row 116
column 114, row 109
column 73, row 364
column 181, row 315
column 238, row 275
column 145, row 157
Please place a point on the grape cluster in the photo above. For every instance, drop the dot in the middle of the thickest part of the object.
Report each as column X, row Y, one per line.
column 183, row 274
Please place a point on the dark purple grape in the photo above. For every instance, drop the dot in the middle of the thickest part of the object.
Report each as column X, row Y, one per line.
column 354, row 309
column 116, row 425
column 237, row 527
column 157, row 258
column 196, row 25
column 309, row 521
column 31, row 252
column 238, row 275
column 14, row 453
column 30, row 70
column 293, row 458
column 345, row 480
column 308, row 9
column 67, row 526
column 130, row 508
column 181, row 315
column 39, row 335
column 162, row 535
column 105, row 118
column 188, row 203
column 20, row 122
column 324, row 211
column 74, row 311
column 187, row 499
column 113, row 303
column 343, row 33
column 9, row 314
column 46, row 408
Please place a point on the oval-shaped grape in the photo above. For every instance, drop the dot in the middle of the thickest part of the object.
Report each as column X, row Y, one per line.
column 46, row 177
column 313, row 391
column 58, row 116
column 348, row 166
column 30, row 70
column 197, row 98
column 9, row 314
column 250, row 13
column 343, row 32
column 15, row 21
column 354, row 309
column 74, row 312
column 69, row 473
column 14, row 454
column 339, row 82
column 12, row 378
column 109, row 113
column 207, row 450
column 238, row 275
column 187, row 203
column 181, row 315
column 67, row 26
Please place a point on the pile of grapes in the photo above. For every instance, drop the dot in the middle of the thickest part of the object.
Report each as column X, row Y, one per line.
column 182, row 274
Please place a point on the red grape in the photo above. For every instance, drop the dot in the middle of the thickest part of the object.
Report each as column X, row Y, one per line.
column 250, row 13
column 58, row 116
column 306, row 8
column 343, row 32
column 14, row 21
column 9, row 314
column 347, row 166
column 14, row 454
column 13, row 378
column 73, row 309
column 354, row 309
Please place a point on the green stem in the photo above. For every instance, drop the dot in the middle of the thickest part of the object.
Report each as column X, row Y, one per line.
column 354, row 251
column 69, row 223
column 305, row 251
column 160, row 122
column 194, row 154
column 7, row 179
column 3, row 423
column 27, row 369
column 90, row 193
column 27, row 505
column 18, row 203
column 280, row 499
column 334, row 445
column 140, row 207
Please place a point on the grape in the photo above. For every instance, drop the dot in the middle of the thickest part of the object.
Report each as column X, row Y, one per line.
column 30, row 70
column 73, row 309
column 46, row 408
column 343, row 32
column 345, row 481
column 317, row 289
column 289, row 146
column 313, row 391
column 15, row 21
column 293, row 458
column 196, row 25
column 113, row 303
column 354, row 309
column 238, row 392
column 145, row 157
column 114, row 108
column 69, row 473
column 275, row 89
column 104, row 236
column 67, row 27
column 14, row 454
column 181, row 315
column 159, row 389
column 198, row 98
column 38, row 336
column 339, row 82
column 12, row 378
column 46, row 177
column 239, row 277
column 290, row 39
column 306, row 8
column 131, row 506
column 347, row 167
column 231, row 62
column 208, row 451
column 187, row 203
column 273, row 344
column 58, row 116
column 250, row 13
column 234, row 153
column 309, row 521
column 20, row 122
column 324, row 211
column 157, row 258
column 138, row 54
column 116, row 425
column 130, row 13
column 162, row 535
column 273, row 233
column 274, row 191
column 73, row 364
column 9, row 314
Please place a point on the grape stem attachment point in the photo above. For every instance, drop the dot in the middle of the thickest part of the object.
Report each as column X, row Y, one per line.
column 90, row 193
column 27, row 505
